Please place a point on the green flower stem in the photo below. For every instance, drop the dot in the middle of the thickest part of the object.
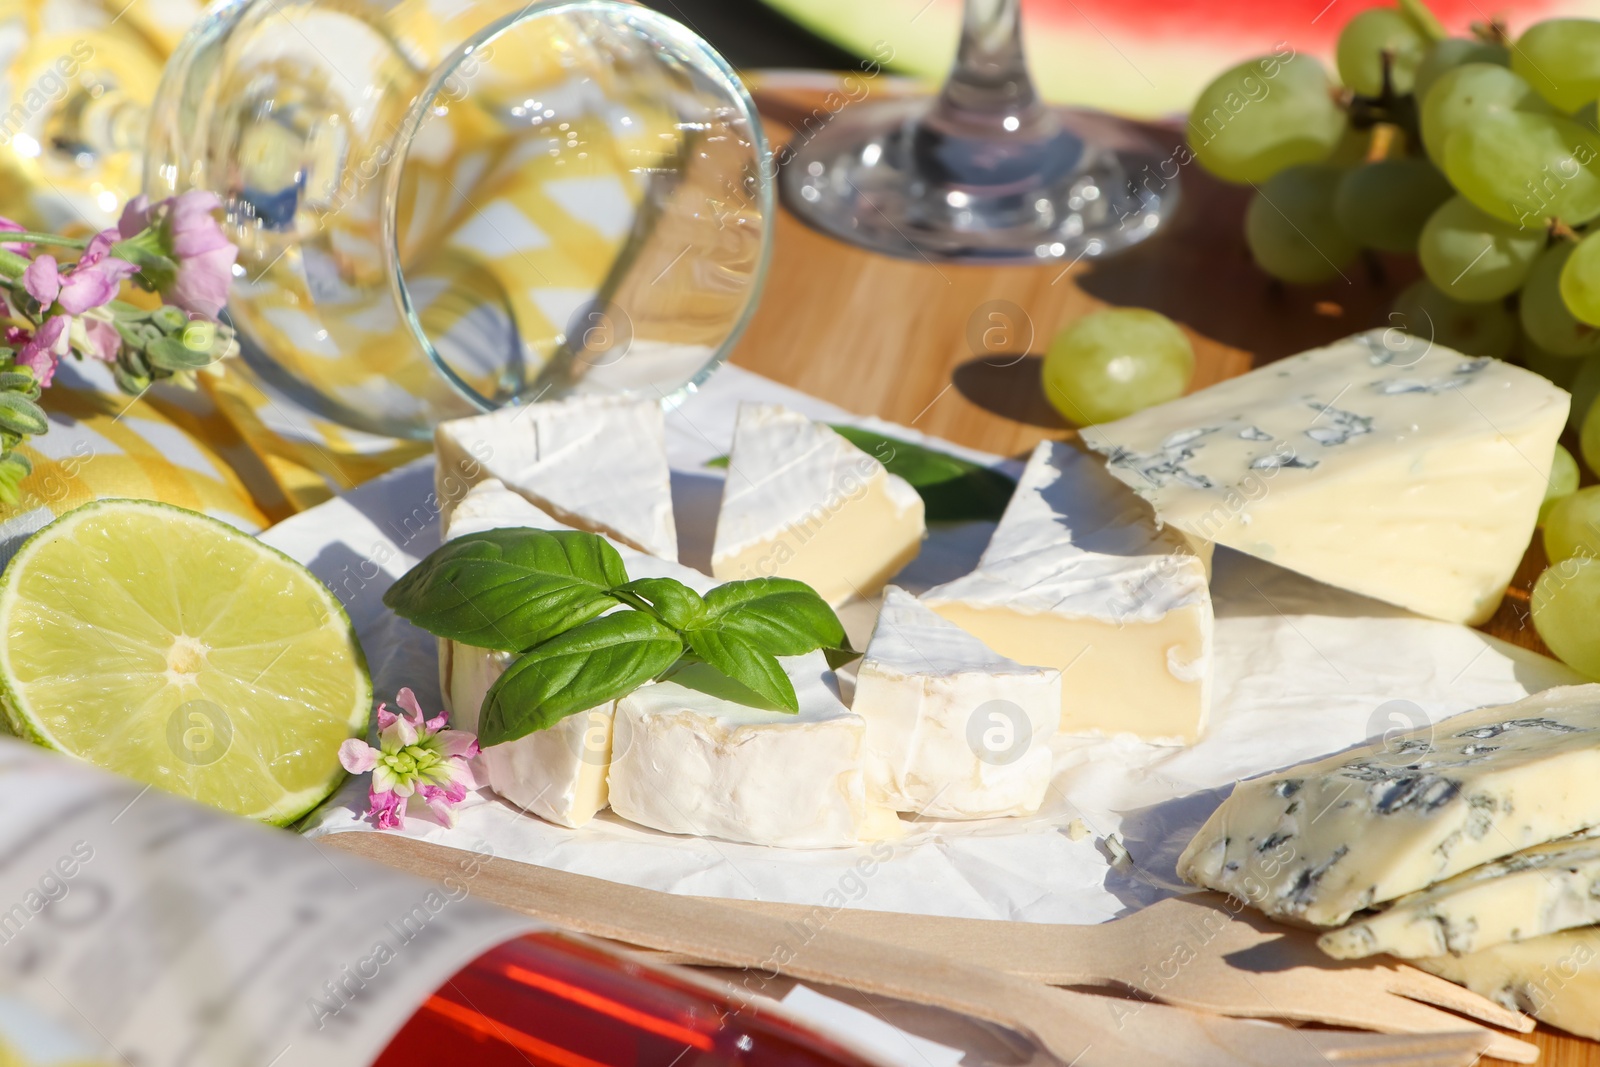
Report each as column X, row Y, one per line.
column 31, row 237
column 11, row 264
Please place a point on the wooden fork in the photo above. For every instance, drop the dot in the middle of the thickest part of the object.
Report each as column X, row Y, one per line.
column 1078, row 1028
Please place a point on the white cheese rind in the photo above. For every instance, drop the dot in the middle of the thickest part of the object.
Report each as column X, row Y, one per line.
column 1080, row 577
column 1319, row 842
column 1555, row 978
column 1382, row 464
column 689, row 759
column 954, row 729
column 802, row 502
column 1528, row 894
column 594, row 463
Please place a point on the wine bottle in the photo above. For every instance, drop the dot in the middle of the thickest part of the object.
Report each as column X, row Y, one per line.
column 139, row 928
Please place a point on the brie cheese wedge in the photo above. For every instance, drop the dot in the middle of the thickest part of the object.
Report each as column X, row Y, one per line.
column 954, row 729
column 688, row 757
column 1537, row 891
column 802, row 502
column 1078, row 577
column 1384, row 464
column 558, row 773
column 594, row 463
column 1319, row 842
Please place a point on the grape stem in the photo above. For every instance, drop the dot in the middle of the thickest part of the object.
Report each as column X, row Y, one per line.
column 1560, row 231
column 1492, row 32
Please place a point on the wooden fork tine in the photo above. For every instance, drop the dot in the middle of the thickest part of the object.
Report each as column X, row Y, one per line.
column 1460, row 1049
column 1420, row 985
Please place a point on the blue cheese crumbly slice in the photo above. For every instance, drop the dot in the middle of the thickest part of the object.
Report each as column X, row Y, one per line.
column 1319, row 842
column 1383, row 464
column 1537, row 891
column 1555, row 978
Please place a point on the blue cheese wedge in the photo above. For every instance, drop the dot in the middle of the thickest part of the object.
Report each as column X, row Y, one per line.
column 594, row 463
column 802, row 502
column 690, row 757
column 558, row 773
column 1537, row 891
column 1080, row 578
column 1383, row 464
column 954, row 729
column 1320, row 842
column 1555, row 978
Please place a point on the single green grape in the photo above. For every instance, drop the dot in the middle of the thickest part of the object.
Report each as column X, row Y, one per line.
column 1259, row 117
column 1453, row 52
column 1589, row 438
column 1292, row 229
column 1471, row 256
column 1580, row 280
column 1566, row 612
column 1526, row 168
column 1563, row 481
column 1114, row 362
column 1572, row 527
column 1585, row 390
column 1545, row 317
column 1363, row 41
column 1474, row 329
column 1464, row 95
column 1384, row 205
column 1560, row 370
column 1560, row 58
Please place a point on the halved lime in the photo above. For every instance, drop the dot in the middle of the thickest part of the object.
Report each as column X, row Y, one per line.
column 172, row 648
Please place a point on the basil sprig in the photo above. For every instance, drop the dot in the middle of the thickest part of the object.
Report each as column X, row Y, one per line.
column 952, row 489
column 549, row 596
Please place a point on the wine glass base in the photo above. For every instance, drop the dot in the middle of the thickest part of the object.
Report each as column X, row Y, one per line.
column 876, row 176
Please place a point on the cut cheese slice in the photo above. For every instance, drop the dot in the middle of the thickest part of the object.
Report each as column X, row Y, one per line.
column 594, row 463
column 1555, row 978
column 559, row 773
column 1384, row 464
column 1079, row 577
column 1319, row 842
column 954, row 729
column 1527, row 894
column 690, row 758
column 802, row 502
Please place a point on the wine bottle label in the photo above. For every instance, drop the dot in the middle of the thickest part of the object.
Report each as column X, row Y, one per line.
column 140, row 929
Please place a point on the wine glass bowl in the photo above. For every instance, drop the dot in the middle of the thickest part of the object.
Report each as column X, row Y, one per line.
column 445, row 207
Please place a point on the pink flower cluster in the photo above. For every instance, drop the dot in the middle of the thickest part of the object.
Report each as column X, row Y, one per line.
column 415, row 757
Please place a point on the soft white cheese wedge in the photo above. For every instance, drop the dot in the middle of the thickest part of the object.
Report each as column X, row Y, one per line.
column 954, row 729
column 1383, row 464
column 1537, row 891
column 689, row 758
column 1079, row 577
column 594, row 463
column 802, row 502
column 1319, row 842
column 558, row 774
column 1555, row 978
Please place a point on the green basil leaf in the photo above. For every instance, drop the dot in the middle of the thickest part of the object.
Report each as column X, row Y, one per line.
column 780, row 616
column 509, row 589
column 169, row 353
column 952, row 488
column 717, row 462
column 666, row 598
column 741, row 659
column 583, row 668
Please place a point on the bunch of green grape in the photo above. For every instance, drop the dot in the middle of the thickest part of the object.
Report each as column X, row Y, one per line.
column 1481, row 156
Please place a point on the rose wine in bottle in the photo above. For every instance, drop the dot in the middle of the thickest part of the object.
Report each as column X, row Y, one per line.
column 139, row 928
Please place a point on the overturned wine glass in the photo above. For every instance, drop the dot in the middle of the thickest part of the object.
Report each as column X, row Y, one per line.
column 985, row 172
column 442, row 206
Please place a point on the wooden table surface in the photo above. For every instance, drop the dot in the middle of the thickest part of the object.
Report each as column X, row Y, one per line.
column 919, row 343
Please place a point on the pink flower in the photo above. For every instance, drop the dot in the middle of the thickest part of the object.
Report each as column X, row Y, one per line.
column 192, row 237
column 415, row 757
column 42, row 279
column 91, row 282
column 41, row 351
column 101, row 340
column 21, row 248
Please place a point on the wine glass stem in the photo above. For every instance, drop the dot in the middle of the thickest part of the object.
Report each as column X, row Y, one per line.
column 989, row 84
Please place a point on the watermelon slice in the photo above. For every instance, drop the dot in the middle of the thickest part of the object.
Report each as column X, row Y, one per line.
column 1145, row 60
